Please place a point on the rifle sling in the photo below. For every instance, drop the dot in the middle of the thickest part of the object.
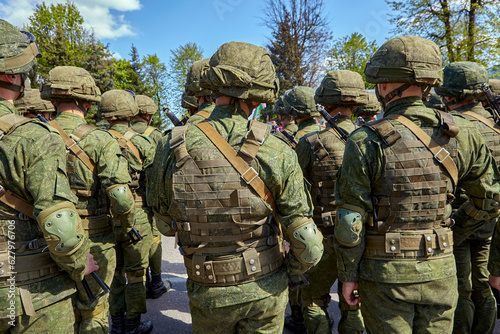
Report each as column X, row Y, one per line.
column 440, row 153
column 483, row 120
column 73, row 146
column 126, row 139
column 17, row 203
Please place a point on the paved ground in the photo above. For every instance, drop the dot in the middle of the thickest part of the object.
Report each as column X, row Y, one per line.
column 170, row 313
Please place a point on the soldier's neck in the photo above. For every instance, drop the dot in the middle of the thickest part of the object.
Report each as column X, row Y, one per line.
column 344, row 111
column 76, row 111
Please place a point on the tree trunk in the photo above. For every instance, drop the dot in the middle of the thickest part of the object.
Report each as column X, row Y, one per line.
column 471, row 30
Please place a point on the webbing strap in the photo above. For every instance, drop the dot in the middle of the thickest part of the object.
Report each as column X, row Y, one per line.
column 440, row 153
column 484, row 120
column 11, row 121
column 73, row 146
column 149, row 130
column 203, row 114
column 126, row 139
column 336, row 134
column 17, row 203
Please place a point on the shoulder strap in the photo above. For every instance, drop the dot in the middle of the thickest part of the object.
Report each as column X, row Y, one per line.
column 125, row 140
column 254, row 139
column 73, row 146
column 203, row 114
column 385, row 131
column 447, row 124
column 11, row 121
column 336, row 134
column 17, row 203
column 149, row 130
column 301, row 132
column 317, row 146
column 484, row 120
column 82, row 130
column 440, row 153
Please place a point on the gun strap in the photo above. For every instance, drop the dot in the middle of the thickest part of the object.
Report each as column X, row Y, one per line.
column 149, row 130
column 248, row 174
column 203, row 114
column 440, row 153
column 73, row 147
column 483, row 120
column 125, row 140
column 17, row 203
column 337, row 134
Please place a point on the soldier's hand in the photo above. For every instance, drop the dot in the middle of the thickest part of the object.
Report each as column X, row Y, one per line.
column 350, row 292
column 91, row 265
column 495, row 282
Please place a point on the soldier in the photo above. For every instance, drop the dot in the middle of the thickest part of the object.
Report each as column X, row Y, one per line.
column 40, row 230
column 142, row 121
column 320, row 157
column 367, row 111
column 287, row 121
column 128, row 291
column 98, row 177
column 393, row 192
column 31, row 104
column 221, row 201
column 435, row 102
column 204, row 96
column 494, row 85
column 190, row 103
column 476, row 310
column 299, row 103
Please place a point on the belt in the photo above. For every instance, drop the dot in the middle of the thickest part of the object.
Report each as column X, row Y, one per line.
column 97, row 225
column 28, row 268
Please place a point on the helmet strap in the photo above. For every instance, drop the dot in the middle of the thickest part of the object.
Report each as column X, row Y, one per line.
column 425, row 93
column 81, row 107
column 384, row 100
column 13, row 87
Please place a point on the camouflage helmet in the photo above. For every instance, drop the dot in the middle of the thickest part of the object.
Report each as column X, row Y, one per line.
column 146, row 105
column 435, row 102
column 18, row 50
column 300, row 102
column 406, row 59
column 189, row 102
column 69, row 83
column 495, row 86
column 193, row 79
column 118, row 104
column 31, row 102
column 372, row 106
column 463, row 79
column 341, row 88
column 279, row 107
column 241, row 70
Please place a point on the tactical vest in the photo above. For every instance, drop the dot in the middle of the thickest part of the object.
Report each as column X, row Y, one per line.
column 328, row 152
column 412, row 198
column 138, row 177
column 95, row 222
column 232, row 237
column 21, row 241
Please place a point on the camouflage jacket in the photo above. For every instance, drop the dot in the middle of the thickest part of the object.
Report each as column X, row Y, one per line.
column 146, row 150
column 276, row 164
column 291, row 127
column 111, row 169
column 307, row 126
column 363, row 166
column 33, row 166
column 205, row 106
column 140, row 127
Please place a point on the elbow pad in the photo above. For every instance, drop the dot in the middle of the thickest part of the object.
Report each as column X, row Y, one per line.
column 122, row 200
column 306, row 241
column 348, row 225
column 163, row 224
column 62, row 229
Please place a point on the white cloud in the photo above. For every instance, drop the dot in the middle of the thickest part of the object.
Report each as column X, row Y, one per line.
column 96, row 14
column 116, row 55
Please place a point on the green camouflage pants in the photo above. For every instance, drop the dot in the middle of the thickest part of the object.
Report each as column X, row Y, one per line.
column 57, row 318
column 155, row 251
column 426, row 307
column 93, row 317
column 128, row 290
column 264, row 316
column 315, row 297
column 476, row 310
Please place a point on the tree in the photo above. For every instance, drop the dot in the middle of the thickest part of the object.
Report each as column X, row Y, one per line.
column 351, row 52
column 155, row 73
column 464, row 30
column 299, row 42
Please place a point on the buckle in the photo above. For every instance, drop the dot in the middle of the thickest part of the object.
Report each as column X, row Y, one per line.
column 436, row 155
column 260, row 142
column 253, row 178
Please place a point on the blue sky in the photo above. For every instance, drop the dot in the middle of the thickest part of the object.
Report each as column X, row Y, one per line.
column 161, row 26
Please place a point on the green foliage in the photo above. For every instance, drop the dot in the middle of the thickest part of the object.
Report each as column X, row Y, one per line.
column 464, row 30
column 155, row 73
column 351, row 52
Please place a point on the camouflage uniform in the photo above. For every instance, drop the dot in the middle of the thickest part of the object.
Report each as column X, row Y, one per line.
column 235, row 230
column 128, row 291
column 31, row 104
column 299, row 102
column 91, row 186
column 476, row 310
column 290, row 127
column 35, row 295
column 392, row 228
column 320, row 157
column 369, row 110
column 193, row 89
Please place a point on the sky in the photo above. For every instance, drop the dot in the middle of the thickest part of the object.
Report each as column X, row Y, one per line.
column 156, row 27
